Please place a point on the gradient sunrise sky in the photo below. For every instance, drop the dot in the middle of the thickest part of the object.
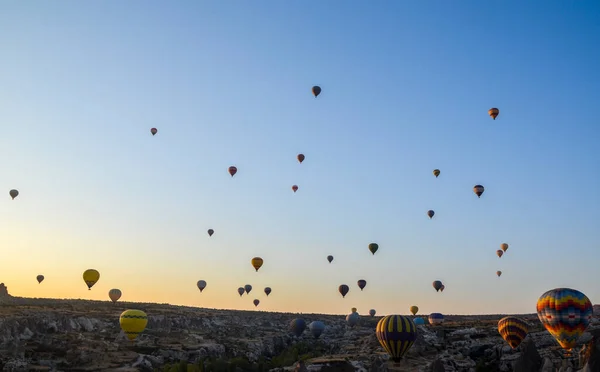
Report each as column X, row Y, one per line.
column 406, row 89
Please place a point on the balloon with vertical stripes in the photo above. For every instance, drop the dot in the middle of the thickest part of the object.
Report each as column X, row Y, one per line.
column 396, row 333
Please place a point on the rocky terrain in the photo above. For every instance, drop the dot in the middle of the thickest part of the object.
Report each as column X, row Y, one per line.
column 78, row 335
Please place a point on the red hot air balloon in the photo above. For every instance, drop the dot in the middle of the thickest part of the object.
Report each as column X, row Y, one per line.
column 232, row 170
column 300, row 158
column 295, row 188
column 153, row 131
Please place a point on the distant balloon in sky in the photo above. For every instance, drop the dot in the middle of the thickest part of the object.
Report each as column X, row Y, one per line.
column 372, row 312
column 513, row 330
column 256, row 302
column 114, row 294
column 267, row 291
column 316, row 90
column 154, row 131
column 493, row 112
column 295, row 188
column 257, row 262
column 297, row 326
column 133, row 322
column 40, row 278
column 499, row 252
column 330, row 258
column 430, row 213
column 396, row 334
column 91, row 277
column 211, row 232
column 13, row 193
column 362, row 284
column 478, row 190
column 343, row 289
column 498, row 272
column 247, row 288
column 316, row 328
column 300, row 157
column 504, row 246
column 241, row 291
column 201, row 285
column 436, row 173
column 414, row 310
column 437, row 285
column 353, row 310
column 232, row 170
column 442, row 288
column 373, row 247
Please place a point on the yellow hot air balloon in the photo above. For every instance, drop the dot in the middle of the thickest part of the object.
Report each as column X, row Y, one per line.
column 257, row 262
column 90, row 277
column 414, row 310
column 353, row 309
column 493, row 112
column 133, row 322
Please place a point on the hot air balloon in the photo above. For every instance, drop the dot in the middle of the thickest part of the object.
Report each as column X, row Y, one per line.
column 436, row 173
column 329, row 258
column 437, row 285
column 211, row 232
column 498, row 272
column 478, row 190
column 436, row 318
column 396, row 333
column 40, row 278
column 316, row 328
column 13, row 193
column 256, row 302
column 316, row 90
column 295, row 188
column 154, row 131
column 343, row 289
column 362, row 284
column 232, row 170
column 372, row 312
column 493, row 112
column 201, row 285
column 414, row 310
column 90, row 277
column 300, row 157
column 504, row 246
column 430, row 213
column 133, row 322
column 247, row 288
column 297, row 326
column 419, row 321
column 241, row 291
column 114, row 294
column 373, row 247
column 565, row 313
column 499, row 252
column 267, row 291
column 353, row 310
column 257, row 262
column 442, row 288
column 513, row 330
column 352, row 319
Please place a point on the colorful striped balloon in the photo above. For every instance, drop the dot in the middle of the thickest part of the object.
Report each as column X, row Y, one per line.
column 566, row 313
column 396, row 333
column 513, row 330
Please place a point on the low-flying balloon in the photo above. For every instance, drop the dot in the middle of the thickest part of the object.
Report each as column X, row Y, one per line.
column 295, row 188
column 419, row 321
column 232, row 170
column 257, row 262
column 316, row 328
column 256, row 302
column 114, row 294
column 493, row 112
column 373, row 247
column 414, row 310
column 372, row 312
column 297, row 326
column 362, row 284
column 13, row 193
column 499, row 252
column 478, row 190
column 436, row 318
column 201, row 285
column 267, row 291
column 436, row 173
column 300, row 158
column 343, row 289
column 353, row 310
column 330, row 258
column 40, row 278
column 504, row 246
column 352, row 319
column 430, row 213
column 396, row 333
column 211, row 232
column 437, row 285
column 247, row 288
column 154, row 131
column 90, row 277
column 316, row 90
column 513, row 330
column 241, row 291
column 565, row 313
column 133, row 322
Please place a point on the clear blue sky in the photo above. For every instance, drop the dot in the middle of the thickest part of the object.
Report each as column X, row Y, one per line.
column 406, row 89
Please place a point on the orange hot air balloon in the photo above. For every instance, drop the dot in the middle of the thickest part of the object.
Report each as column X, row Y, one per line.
column 153, row 131
column 257, row 262
column 493, row 112
column 232, row 170
column 295, row 188
column 300, row 157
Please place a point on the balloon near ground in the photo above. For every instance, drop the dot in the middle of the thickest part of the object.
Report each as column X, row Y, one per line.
column 414, row 310
column 297, row 326
column 513, row 330
column 316, row 328
column 436, row 318
column 114, row 294
column 133, row 322
column 396, row 334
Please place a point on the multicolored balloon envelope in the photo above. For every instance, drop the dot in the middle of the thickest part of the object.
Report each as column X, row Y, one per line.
column 513, row 330
column 566, row 313
column 396, row 333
